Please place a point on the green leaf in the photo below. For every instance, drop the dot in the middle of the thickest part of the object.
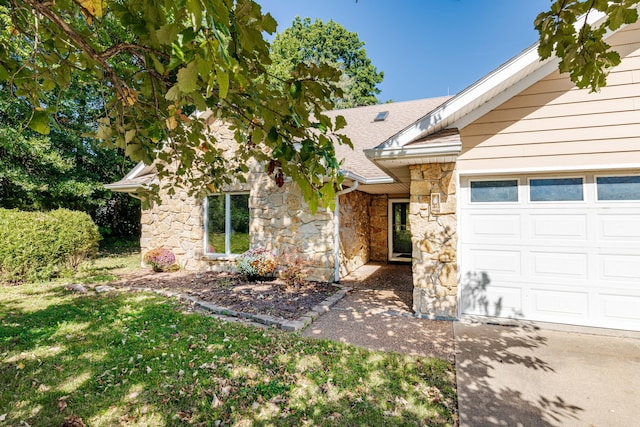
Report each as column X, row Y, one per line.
column 40, row 122
column 223, row 83
column 188, row 78
column 295, row 89
column 167, row 34
column 341, row 122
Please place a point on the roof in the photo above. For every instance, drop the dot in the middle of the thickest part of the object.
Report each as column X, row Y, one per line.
column 138, row 177
column 414, row 144
column 363, row 130
column 495, row 88
column 366, row 133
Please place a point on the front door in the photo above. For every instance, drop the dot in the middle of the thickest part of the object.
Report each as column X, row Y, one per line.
column 399, row 231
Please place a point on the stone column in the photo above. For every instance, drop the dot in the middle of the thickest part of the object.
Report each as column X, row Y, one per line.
column 378, row 214
column 435, row 275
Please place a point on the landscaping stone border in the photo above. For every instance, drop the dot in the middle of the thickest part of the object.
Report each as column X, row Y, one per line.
column 262, row 319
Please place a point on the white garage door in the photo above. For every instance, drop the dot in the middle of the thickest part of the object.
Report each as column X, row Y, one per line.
column 562, row 249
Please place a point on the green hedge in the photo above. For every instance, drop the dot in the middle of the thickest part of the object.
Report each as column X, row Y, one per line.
column 37, row 245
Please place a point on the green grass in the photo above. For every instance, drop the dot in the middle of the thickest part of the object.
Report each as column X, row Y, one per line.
column 106, row 267
column 139, row 360
column 239, row 242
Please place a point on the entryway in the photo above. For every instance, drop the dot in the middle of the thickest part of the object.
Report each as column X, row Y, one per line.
column 399, row 231
column 377, row 314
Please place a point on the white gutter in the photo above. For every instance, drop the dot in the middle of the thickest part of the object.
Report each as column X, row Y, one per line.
column 412, row 152
column 366, row 181
column 336, row 231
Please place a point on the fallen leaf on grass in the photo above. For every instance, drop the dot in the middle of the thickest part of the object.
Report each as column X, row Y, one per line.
column 62, row 405
column 3, row 417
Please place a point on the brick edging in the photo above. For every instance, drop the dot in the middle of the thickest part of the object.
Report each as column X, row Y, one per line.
column 279, row 322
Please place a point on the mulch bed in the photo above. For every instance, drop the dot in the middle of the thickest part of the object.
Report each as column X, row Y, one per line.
column 233, row 291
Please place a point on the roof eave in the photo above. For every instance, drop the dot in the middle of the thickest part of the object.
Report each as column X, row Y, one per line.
column 412, row 155
column 471, row 98
column 124, row 188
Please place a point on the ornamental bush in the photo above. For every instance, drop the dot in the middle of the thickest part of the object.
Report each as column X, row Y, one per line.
column 255, row 263
column 160, row 259
column 294, row 269
column 39, row 245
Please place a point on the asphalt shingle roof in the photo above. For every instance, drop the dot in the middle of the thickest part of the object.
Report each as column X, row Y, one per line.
column 366, row 133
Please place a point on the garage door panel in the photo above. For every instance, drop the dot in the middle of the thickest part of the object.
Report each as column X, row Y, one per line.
column 558, row 264
column 501, row 262
column 619, row 227
column 558, row 227
column 620, row 307
column 491, row 300
column 619, row 267
column 492, row 226
column 547, row 304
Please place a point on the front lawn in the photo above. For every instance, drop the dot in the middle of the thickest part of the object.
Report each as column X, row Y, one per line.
column 141, row 360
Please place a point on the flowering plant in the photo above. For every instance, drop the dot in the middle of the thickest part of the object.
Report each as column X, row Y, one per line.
column 159, row 259
column 256, row 262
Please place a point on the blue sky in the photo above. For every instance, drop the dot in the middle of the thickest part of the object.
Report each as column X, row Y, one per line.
column 426, row 48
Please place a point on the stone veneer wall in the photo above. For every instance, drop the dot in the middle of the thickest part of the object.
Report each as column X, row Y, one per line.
column 379, row 230
column 354, row 231
column 176, row 224
column 280, row 221
column 435, row 281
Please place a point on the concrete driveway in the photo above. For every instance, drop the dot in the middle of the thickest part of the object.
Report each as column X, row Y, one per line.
column 531, row 376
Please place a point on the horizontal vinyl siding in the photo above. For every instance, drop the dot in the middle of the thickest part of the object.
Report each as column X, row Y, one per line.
column 553, row 123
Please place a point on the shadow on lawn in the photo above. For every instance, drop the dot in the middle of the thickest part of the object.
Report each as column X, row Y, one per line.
column 483, row 356
column 137, row 359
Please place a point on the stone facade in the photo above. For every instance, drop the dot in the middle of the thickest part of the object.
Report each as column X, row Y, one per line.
column 280, row 221
column 176, row 224
column 354, row 231
column 434, row 237
column 379, row 229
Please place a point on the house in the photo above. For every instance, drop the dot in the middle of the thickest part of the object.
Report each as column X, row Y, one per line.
column 518, row 197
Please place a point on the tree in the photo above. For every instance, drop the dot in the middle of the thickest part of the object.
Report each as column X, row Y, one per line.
column 565, row 31
column 316, row 43
column 155, row 63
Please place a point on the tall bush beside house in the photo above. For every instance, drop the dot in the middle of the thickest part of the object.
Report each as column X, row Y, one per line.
column 38, row 245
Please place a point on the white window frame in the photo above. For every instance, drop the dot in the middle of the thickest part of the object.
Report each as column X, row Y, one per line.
column 518, row 191
column 227, row 225
column 611, row 175
column 536, row 202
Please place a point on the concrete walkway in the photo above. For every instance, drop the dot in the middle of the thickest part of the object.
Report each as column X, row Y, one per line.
column 527, row 375
column 532, row 376
column 377, row 315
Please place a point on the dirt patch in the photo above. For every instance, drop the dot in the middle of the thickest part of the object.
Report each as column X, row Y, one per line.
column 233, row 291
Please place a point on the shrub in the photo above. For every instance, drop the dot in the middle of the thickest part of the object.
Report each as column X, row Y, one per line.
column 255, row 263
column 160, row 259
column 37, row 245
column 293, row 269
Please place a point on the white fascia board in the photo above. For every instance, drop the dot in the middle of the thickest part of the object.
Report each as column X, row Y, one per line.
column 124, row 188
column 435, row 150
column 553, row 169
column 135, row 171
column 461, row 105
column 366, row 181
column 409, row 155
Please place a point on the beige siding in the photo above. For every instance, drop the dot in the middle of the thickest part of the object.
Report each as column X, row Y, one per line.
column 552, row 123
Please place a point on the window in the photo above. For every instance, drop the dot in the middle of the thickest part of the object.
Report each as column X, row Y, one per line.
column 618, row 187
column 555, row 190
column 494, row 191
column 227, row 224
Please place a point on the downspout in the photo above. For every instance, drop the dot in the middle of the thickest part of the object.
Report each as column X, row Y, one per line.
column 336, row 231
